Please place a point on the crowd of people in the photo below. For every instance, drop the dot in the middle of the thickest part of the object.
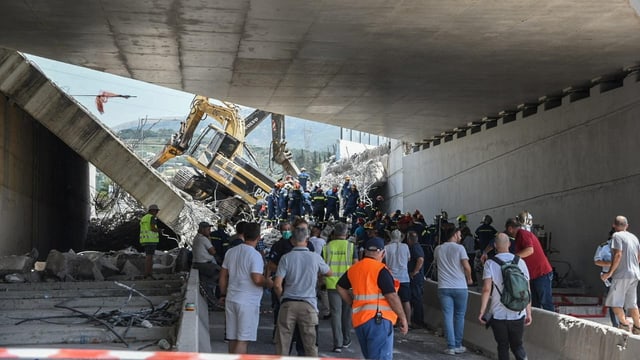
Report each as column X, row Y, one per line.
column 372, row 269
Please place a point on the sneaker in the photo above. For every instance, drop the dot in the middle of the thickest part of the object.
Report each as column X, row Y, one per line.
column 449, row 351
column 346, row 344
column 460, row 350
column 337, row 349
column 625, row 327
column 635, row 330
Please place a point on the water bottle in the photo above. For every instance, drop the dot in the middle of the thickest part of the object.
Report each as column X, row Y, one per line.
column 607, row 283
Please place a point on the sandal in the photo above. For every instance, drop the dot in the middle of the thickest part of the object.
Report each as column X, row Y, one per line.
column 635, row 330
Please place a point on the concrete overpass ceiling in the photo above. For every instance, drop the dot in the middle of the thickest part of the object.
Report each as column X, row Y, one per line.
column 407, row 69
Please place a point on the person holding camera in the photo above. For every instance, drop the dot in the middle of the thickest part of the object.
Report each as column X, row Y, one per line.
column 375, row 304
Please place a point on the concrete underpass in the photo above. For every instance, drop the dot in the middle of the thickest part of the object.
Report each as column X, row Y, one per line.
column 497, row 109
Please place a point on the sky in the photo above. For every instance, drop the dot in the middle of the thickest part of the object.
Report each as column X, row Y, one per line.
column 151, row 101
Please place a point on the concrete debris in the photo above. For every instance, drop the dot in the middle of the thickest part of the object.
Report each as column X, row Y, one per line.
column 270, row 236
column 17, row 263
column 14, row 278
column 367, row 170
column 94, row 265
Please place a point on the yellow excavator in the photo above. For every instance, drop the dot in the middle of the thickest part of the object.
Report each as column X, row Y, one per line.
column 219, row 173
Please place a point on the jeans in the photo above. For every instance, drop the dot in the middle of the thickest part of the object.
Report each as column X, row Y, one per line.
column 454, row 307
column 376, row 340
column 340, row 319
column 417, row 289
column 508, row 335
column 541, row 296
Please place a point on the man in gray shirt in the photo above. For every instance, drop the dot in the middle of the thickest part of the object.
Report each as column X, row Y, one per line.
column 624, row 273
column 300, row 269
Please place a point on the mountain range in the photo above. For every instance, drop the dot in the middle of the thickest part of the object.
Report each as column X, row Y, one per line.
column 300, row 133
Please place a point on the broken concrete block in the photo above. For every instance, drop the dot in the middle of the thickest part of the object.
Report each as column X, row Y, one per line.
column 134, row 259
column 130, row 270
column 14, row 278
column 56, row 264
column 17, row 263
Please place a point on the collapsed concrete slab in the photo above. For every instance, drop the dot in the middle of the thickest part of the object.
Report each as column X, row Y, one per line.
column 26, row 86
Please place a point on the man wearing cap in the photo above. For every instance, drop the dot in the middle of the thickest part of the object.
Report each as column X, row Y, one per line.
column 375, row 303
column 204, row 260
column 149, row 237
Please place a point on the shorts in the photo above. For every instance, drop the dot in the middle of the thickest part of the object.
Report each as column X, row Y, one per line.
column 404, row 292
column 622, row 293
column 242, row 321
column 150, row 249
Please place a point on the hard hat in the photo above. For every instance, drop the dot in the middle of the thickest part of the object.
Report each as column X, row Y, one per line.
column 303, row 169
column 347, row 177
column 379, row 198
column 368, row 226
column 462, row 218
column 487, row 219
column 525, row 218
column 153, row 207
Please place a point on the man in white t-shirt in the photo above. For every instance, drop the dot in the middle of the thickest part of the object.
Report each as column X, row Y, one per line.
column 241, row 285
column 624, row 274
column 507, row 325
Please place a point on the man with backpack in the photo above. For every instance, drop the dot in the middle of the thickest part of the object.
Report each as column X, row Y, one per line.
column 506, row 289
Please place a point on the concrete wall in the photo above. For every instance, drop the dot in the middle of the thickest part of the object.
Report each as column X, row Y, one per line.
column 44, row 198
column 574, row 167
column 550, row 335
column 394, row 181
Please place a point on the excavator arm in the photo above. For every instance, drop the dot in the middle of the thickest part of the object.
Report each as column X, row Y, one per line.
column 226, row 115
column 281, row 155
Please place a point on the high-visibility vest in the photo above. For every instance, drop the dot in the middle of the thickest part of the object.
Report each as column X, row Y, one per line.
column 338, row 254
column 146, row 235
column 367, row 297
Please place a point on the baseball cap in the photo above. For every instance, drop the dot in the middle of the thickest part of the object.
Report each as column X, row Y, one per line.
column 374, row 244
column 204, row 224
column 153, row 207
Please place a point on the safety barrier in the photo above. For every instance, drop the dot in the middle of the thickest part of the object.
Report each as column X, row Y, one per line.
column 550, row 336
column 193, row 330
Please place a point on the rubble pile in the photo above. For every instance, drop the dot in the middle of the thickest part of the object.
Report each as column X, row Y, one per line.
column 91, row 265
column 17, row 268
column 367, row 170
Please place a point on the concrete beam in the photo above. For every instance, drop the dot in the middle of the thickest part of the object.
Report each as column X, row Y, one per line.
column 63, row 116
column 193, row 330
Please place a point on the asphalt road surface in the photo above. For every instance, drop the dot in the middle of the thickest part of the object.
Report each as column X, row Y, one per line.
column 417, row 344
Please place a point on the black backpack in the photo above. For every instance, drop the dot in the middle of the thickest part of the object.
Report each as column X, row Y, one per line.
column 515, row 294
